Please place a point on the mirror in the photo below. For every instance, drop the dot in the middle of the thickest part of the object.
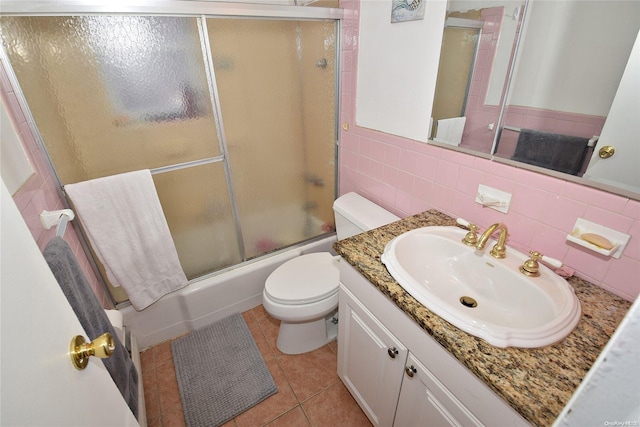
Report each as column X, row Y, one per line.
column 565, row 79
column 565, row 74
column 475, row 61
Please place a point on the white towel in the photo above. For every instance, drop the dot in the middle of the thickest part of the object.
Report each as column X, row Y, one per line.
column 128, row 231
column 450, row 131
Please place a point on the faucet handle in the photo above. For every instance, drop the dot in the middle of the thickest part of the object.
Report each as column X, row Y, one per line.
column 471, row 238
column 531, row 266
column 555, row 263
column 463, row 222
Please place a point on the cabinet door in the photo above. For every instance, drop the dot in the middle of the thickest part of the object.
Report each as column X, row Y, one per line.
column 424, row 401
column 370, row 360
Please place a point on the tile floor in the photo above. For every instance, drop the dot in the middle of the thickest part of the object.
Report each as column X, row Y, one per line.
column 309, row 390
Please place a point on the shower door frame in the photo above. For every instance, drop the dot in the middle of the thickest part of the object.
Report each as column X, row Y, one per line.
column 200, row 10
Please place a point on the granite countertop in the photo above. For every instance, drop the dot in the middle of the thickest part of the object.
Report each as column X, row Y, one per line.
column 536, row 382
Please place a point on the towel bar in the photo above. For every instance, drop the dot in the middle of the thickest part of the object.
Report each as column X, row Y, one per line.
column 61, row 218
column 592, row 142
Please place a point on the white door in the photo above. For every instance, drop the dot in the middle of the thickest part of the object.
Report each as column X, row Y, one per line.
column 39, row 386
column 621, row 131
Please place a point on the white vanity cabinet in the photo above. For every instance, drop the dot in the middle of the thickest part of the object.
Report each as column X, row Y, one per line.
column 424, row 401
column 379, row 347
column 370, row 361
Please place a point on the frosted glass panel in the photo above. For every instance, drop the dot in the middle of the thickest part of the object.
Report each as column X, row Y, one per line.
column 111, row 94
column 276, row 87
column 197, row 208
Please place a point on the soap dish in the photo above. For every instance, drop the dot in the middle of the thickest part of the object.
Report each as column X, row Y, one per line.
column 575, row 238
column 618, row 240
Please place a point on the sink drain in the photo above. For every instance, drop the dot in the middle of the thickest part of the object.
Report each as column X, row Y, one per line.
column 468, row 302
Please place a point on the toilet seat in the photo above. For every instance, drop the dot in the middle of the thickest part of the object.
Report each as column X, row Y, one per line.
column 304, row 280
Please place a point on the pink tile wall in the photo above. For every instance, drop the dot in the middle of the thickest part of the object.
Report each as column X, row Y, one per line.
column 476, row 135
column 408, row 177
column 40, row 193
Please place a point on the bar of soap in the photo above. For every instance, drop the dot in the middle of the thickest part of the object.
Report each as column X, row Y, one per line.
column 598, row 240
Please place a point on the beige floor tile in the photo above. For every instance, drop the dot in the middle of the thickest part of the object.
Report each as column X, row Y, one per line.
column 293, row 418
column 261, row 342
column 173, row 418
column 146, row 359
column 151, row 397
column 162, row 353
column 259, row 312
column 310, row 373
column 270, row 328
column 154, row 422
column 273, row 406
column 310, row 378
column 249, row 318
column 335, row 407
column 168, row 391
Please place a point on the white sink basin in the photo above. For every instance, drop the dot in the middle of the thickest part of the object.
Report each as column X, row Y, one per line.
column 447, row 276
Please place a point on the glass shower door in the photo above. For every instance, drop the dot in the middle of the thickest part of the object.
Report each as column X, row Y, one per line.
column 235, row 118
column 112, row 94
column 276, row 85
column 457, row 57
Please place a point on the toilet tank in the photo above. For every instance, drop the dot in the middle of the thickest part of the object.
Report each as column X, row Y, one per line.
column 354, row 215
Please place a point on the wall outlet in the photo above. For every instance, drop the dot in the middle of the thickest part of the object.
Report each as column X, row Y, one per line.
column 494, row 199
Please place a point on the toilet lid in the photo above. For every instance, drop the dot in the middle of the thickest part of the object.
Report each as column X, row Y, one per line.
column 305, row 279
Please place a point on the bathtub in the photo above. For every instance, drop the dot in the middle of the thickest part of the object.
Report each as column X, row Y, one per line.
column 211, row 298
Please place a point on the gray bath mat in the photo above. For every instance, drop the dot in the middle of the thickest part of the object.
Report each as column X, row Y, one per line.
column 220, row 372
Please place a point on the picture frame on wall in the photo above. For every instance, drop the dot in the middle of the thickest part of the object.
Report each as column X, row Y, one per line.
column 407, row 10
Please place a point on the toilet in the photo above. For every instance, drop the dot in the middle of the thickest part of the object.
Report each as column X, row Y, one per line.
column 303, row 292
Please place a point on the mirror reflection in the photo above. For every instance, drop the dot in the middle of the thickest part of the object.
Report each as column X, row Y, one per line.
column 570, row 61
column 551, row 112
column 475, row 60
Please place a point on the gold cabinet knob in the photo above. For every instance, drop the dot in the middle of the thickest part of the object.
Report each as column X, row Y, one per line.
column 101, row 347
column 606, row 152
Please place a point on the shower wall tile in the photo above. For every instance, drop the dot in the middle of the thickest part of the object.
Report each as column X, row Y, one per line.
column 419, row 176
column 40, row 192
column 479, row 115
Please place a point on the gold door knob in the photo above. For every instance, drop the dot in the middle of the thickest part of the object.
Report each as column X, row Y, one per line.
column 606, row 152
column 101, row 347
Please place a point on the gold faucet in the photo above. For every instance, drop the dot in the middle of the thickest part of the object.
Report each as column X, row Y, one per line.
column 499, row 249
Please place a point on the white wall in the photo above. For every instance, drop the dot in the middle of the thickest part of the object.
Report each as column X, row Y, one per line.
column 567, row 62
column 396, row 88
